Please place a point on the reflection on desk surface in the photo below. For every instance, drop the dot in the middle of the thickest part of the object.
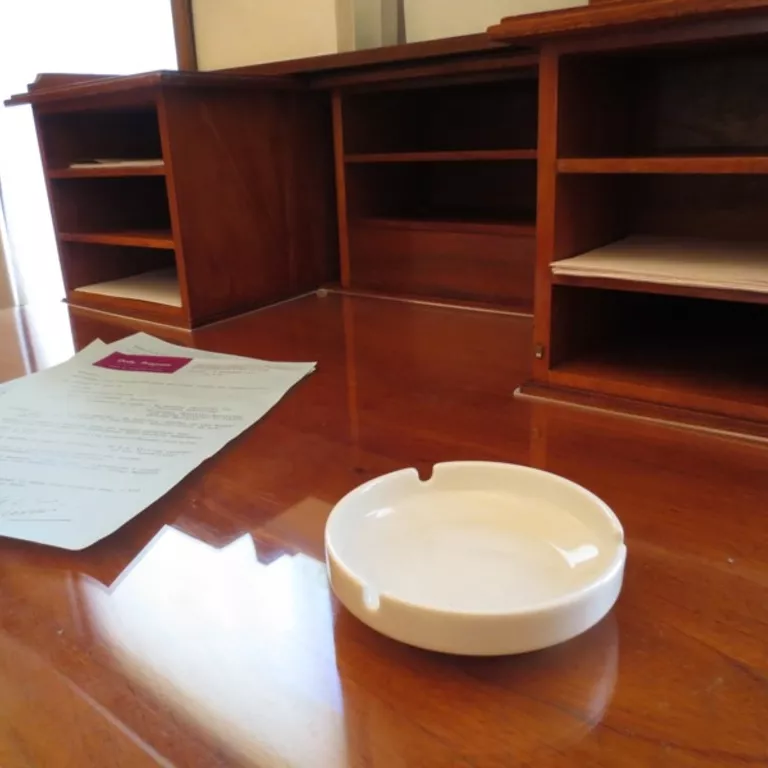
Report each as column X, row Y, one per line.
column 204, row 632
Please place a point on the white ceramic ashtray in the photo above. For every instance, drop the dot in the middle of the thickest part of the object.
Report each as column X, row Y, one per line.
column 480, row 559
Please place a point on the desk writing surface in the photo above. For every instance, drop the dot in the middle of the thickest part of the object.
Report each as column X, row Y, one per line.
column 204, row 632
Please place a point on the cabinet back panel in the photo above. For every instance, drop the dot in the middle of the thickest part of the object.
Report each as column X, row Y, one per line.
column 702, row 102
column 443, row 264
column 499, row 115
column 70, row 137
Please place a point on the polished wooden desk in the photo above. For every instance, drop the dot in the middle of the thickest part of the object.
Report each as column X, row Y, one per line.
column 474, row 170
column 204, row 633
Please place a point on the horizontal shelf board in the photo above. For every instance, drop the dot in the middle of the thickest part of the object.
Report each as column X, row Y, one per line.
column 447, row 156
column 636, row 286
column 682, row 164
column 679, row 416
column 673, row 374
column 676, row 266
column 522, row 228
column 160, row 286
column 141, row 238
column 503, row 308
column 101, row 172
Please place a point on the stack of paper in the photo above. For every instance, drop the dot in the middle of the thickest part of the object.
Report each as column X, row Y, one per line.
column 675, row 261
column 87, row 445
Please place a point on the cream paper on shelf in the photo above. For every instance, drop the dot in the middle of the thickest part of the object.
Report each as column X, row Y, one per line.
column 88, row 445
column 675, row 261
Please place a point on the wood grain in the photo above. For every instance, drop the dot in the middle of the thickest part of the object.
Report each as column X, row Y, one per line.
column 636, row 286
column 184, row 34
column 546, row 214
column 145, row 86
column 443, row 263
column 342, row 203
column 97, row 172
column 434, row 118
column 687, row 165
column 504, row 64
column 603, row 17
column 144, row 238
column 145, row 648
column 456, row 156
column 268, row 232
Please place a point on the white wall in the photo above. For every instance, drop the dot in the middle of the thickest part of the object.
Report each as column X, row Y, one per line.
column 236, row 33
column 433, row 19
column 91, row 36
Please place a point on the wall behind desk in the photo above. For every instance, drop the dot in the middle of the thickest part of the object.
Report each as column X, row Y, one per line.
column 433, row 19
column 239, row 33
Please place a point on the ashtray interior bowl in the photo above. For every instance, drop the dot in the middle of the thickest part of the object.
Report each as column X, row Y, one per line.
column 482, row 558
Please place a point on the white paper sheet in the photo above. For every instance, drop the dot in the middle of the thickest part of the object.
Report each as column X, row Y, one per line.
column 83, row 449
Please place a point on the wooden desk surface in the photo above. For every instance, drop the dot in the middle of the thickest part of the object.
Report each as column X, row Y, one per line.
column 204, row 634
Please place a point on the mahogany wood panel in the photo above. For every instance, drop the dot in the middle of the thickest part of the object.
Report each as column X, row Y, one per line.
column 45, row 80
column 606, row 17
column 648, row 379
column 203, row 633
column 97, row 172
column 465, row 192
column 683, row 352
column 650, row 412
column 250, row 180
column 342, row 203
column 435, row 119
column 720, row 207
column 105, row 204
column 490, row 226
column 681, row 111
column 87, row 263
column 486, row 67
column 184, row 34
column 458, row 156
column 449, row 264
column 642, row 286
column 546, row 221
column 687, row 165
column 145, row 86
column 84, row 135
column 144, row 238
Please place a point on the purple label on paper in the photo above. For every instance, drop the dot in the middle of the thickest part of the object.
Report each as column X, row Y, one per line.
column 119, row 361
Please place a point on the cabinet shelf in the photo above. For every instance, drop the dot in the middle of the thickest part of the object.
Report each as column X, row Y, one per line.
column 522, row 227
column 675, row 374
column 159, row 286
column 673, row 266
column 662, row 165
column 442, row 156
column 102, row 172
column 139, row 238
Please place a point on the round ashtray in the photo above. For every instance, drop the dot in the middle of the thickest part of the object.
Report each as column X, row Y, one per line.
column 481, row 559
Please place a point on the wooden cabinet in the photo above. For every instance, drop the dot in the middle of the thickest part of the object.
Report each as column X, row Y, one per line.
column 186, row 198
column 437, row 186
column 652, row 273
column 603, row 166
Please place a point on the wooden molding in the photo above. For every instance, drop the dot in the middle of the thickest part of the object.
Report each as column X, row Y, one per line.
column 625, row 15
column 184, row 34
